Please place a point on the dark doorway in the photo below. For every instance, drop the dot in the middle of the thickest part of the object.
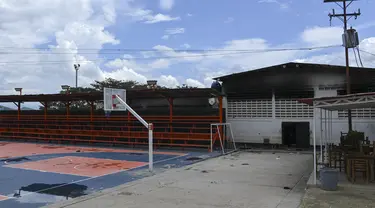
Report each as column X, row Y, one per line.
column 296, row 134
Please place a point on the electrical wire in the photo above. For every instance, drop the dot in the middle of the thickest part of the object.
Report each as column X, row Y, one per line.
column 119, row 50
column 359, row 56
column 367, row 52
column 238, row 52
column 355, row 56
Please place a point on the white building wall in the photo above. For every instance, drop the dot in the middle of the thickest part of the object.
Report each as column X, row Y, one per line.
column 255, row 130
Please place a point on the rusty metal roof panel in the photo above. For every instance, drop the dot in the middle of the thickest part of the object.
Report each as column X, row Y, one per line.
column 131, row 94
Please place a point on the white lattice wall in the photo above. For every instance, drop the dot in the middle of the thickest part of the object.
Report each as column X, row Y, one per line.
column 250, row 108
column 288, row 108
column 364, row 113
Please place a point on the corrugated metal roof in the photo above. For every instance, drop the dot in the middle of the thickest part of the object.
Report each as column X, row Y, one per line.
column 293, row 65
column 131, row 94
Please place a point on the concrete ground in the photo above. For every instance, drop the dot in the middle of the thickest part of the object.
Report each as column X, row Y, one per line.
column 348, row 195
column 244, row 179
column 343, row 198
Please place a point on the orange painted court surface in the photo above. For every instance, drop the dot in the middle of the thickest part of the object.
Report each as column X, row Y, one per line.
column 48, row 173
column 9, row 150
column 81, row 166
column 3, row 197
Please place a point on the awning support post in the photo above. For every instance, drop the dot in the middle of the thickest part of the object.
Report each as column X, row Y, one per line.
column 314, row 144
column 321, row 136
column 325, row 137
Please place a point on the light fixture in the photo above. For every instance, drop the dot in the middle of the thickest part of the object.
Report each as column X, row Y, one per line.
column 152, row 83
column 65, row 87
column 76, row 66
column 18, row 89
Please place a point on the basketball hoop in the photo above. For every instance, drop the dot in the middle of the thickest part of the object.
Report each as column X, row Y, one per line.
column 115, row 100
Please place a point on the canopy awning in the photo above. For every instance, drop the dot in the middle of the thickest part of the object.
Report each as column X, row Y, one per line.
column 343, row 102
column 131, row 94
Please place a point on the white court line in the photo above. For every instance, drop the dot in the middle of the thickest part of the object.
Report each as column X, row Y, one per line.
column 87, row 179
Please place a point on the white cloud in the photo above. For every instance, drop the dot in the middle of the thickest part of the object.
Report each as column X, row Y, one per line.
column 126, row 74
column 120, row 63
column 282, row 5
column 185, row 45
column 194, row 83
column 166, row 4
column 189, row 14
column 366, row 25
column 165, row 37
column 338, row 58
column 172, row 31
column 37, row 22
column 159, row 64
column 322, row 36
column 178, row 56
column 85, row 35
column 168, row 81
column 229, row 20
column 148, row 16
column 222, row 60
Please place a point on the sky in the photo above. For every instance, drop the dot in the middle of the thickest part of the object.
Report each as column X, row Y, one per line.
column 173, row 41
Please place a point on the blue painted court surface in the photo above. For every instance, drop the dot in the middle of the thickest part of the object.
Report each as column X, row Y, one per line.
column 42, row 178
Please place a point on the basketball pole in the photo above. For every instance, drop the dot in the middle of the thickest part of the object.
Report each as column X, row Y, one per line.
column 150, row 128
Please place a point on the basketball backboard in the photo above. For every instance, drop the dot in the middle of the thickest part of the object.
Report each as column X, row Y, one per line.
column 111, row 103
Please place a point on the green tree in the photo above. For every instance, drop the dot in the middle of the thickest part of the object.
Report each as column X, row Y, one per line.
column 120, row 84
column 99, row 86
column 96, row 86
column 57, row 105
column 185, row 86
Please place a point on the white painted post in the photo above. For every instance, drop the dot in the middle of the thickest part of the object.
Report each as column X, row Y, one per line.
column 232, row 135
column 321, row 136
column 150, row 128
column 326, row 137
column 314, row 143
column 331, row 126
column 273, row 104
column 150, row 147
column 211, row 142
column 221, row 142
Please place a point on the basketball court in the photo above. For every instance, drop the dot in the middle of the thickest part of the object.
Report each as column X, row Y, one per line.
column 36, row 174
column 33, row 175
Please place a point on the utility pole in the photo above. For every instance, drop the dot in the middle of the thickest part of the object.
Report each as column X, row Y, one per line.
column 345, row 17
column 76, row 67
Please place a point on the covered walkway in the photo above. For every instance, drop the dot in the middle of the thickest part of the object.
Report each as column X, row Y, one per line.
column 326, row 106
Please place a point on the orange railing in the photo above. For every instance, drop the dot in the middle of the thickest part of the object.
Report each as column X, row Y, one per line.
column 176, row 131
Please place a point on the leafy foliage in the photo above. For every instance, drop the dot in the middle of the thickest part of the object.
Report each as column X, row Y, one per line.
column 120, row 84
column 185, row 86
column 97, row 86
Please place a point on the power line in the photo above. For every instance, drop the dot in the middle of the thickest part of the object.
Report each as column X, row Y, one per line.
column 175, row 57
column 119, row 50
column 367, row 52
column 355, row 56
column 359, row 56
